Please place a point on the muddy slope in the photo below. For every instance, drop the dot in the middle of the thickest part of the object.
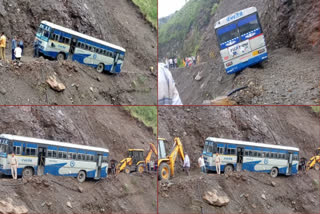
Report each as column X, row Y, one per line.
column 291, row 31
column 291, row 126
column 95, row 126
column 118, row 22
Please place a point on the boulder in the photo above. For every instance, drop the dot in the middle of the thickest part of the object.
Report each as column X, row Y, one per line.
column 8, row 207
column 55, row 85
column 212, row 198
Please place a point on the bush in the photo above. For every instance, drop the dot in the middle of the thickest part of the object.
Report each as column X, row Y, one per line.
column 150, row 9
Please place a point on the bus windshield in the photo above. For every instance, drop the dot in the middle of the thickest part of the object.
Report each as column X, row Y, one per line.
column 227, row 33
column 208, row 147
column 3, row 148
column 248, row 24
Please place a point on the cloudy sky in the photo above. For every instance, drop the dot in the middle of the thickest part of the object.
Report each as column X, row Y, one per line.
column 167, row 7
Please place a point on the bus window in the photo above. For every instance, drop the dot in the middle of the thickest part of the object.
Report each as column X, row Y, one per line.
column 105, row 159
column 46, row 33
column 255, row 154
column 60, row 155
column 267, row 154
column 64, row 155
column 33, row 152
column 86, row 47
column 248, row 24
column 49, row 153
column 67, row 41
column 82, row 45
column 220, row 150
column 54, row 154
column 79, row 156
column 69, row 155
column 246, row 153
column 3, row 148
column 74, row 156
column 250, row 153
column 83, row 157
column 259, row 154
column 227, row 33
column 271, row 155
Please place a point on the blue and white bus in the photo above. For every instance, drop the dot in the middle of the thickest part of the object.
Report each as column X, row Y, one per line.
column 61, row 43
column 39, row 157
column 241, row 40
column 255, row 157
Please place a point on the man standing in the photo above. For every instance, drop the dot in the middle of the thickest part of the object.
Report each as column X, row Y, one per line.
column 36, row 48
column 201, row 164
column 3, row 44
column 186, row 163
column 175, row 63
column 167, row 91
column 14, row 167
column 218, row 163
column 21, row 45
column 170, row 63
column 13, row 47
column 18, row 53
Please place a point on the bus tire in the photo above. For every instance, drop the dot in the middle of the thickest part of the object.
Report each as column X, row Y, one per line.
column 81, row 177
column 274, row 172
column 100, row 68
column 317, row 166
column 140, row 168
column 228, row 169
column 164, row 171
column 61, row 56
column 27, row 172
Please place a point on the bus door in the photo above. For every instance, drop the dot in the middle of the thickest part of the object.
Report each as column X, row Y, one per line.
column 115, row 62
column 73, row 45
column 240, row 153
column 41, row 160
column 290, row 157
column 99, row 163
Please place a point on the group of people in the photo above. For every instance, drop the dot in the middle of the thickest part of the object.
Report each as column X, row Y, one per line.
column 201, row 164
column 172, row 62
column 17, row 47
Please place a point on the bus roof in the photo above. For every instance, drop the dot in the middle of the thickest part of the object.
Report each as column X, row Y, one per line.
column 245, row 143
column 234, row 16
column 67, row 30
column 50, row 142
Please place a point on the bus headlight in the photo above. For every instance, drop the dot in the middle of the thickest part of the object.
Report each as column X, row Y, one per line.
column 229, row 64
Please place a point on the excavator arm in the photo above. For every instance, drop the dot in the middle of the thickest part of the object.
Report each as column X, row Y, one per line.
column 151, row 150
column 123, row 164
column 177, row 149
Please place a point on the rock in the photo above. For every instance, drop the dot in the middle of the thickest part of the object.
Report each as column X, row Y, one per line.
column 246, row 195
column 273, row 183
column 46, row 183
column 8, row 207
column 212, row 198
column 151, row 69
column 253, row 206
column 80, row 189
column 224, row 100
column 219, row 79
column 91, row 89
column 69, row 204
column 198, row 77
column 3, row 91
column 44, row 203
column 293, row 202
column 98, row 79
column 263, row 196
column 55, row 85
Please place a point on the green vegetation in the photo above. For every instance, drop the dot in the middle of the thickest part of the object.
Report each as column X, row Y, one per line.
column 316, row 109
column 194, row 15
column 214, row 9
column 149, row 8
column 145, row 114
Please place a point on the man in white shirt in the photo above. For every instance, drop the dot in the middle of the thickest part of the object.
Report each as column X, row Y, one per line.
column 218, row 163
column 14, row 167
column 18, row 53
column 167, row 91
column 201, row 164
column 186, row 163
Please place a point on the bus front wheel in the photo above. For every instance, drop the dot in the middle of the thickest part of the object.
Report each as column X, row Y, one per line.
column 274, row 172
column 100, row 68
column 81, row 176
column 27, row 172
column 228, row 169
column 60, row 57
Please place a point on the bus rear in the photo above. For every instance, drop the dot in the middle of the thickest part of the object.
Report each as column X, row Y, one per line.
column 241, row 40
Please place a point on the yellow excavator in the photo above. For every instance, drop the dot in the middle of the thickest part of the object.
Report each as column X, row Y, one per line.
column 314, row 162
column 166, row 162
column 135, row 162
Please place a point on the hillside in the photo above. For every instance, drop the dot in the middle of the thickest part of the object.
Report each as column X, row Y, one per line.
column 292, row 36
column 289, row 126
column 95, row 126
column 118, row 22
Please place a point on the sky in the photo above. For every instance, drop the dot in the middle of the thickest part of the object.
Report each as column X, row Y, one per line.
column 167, row 7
